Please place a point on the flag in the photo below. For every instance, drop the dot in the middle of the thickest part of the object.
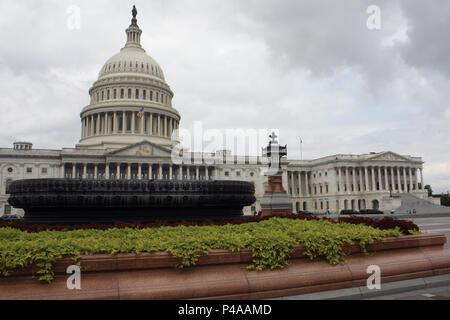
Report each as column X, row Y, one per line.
column 140, row 114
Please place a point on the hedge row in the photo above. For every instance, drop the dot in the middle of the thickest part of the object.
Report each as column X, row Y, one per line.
column 385, row 223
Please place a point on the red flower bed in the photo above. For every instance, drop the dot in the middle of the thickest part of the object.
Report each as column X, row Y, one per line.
column 384, row 223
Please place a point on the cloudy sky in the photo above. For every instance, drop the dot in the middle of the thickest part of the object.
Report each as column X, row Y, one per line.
column 311, row 68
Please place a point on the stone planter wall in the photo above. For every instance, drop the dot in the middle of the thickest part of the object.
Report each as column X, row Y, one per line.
column 222, row 274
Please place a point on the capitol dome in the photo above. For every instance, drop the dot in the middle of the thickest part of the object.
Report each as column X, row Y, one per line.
column 130, row 101
column 132, row 60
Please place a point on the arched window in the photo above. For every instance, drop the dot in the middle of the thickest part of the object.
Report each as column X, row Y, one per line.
column 129, row 93
column 107, row 95
column 144, row 94
column 137, row 94
column 103, row 95
column 115, row 93
column 151, row 95
column 122, row 93
column 157, row 96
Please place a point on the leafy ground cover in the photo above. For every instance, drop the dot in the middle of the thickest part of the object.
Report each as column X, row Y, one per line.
column 270, row 240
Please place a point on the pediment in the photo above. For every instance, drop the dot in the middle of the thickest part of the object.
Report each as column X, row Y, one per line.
column 142, row 149
column 389, row 156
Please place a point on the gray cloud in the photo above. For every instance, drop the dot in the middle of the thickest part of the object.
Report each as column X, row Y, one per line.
column 310, row 68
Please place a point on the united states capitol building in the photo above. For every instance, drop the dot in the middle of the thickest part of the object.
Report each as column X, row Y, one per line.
column 127, row 132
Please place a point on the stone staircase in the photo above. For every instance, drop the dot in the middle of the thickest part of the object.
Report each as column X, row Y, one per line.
column 422, row 206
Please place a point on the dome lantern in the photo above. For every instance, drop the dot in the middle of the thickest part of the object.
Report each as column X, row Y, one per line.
column 133, row 32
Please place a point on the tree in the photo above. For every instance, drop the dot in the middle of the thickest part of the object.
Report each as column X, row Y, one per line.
column 445, row 200
column 430, row 191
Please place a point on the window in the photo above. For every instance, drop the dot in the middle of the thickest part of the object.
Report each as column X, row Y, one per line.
column 238, row 173
column 252, row 174
column 10, row 170
column 129, row 93
column 107, row 95
column 157, row 96
column 44, row 170
column 227, row 173
column 103, row 95
column 137, row 94
column 151, row 95
column 8, row 182
column 122, row 93
column 128, row 120
column 7, row 209
column 29, row 170
column 144, row 94
column 115, row 93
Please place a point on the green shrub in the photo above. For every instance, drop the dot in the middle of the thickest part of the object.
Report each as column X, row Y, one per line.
column 271, row 242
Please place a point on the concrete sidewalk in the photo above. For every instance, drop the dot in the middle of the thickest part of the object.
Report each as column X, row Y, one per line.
column 429, row 288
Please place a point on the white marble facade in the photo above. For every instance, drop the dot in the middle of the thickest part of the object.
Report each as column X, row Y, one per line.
column 127, row 132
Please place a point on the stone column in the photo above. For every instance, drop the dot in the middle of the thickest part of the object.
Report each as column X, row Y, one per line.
column 307, row 183
column 160, row 171
column 207, row 173
column 354, row 179
column 379, row 180
column 150, row 171
column 95, row 170
column 421, row 179
column 98, row 124
column 61, row 171
column 386, row 182
column 124, row 123
column 84, row 171
column 197, row 173
column 292, row 183
column 405, row 188
column 347, row 180
column 398, row 180
column 92, row 124
column 142, row 122
column 417, row 178
column 166, row 131
column 115, row 122
column 140, row 171
column 373, row 179
column 340, row 180
column 392, row 178
column 128, row 170
column 133, row 122
column 366, row 179
column 159, row 125
column 410, row 179
column 170, row 172
column 361, row 182
column 107, row 171
column 151, row 124
column 106, row 123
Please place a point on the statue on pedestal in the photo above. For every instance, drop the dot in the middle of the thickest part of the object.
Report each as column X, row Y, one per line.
column 275, row 201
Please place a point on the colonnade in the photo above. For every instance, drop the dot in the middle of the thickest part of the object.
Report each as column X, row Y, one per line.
column 119, row 170
column 347, row 180
column 398, row 179
column 128, row 122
